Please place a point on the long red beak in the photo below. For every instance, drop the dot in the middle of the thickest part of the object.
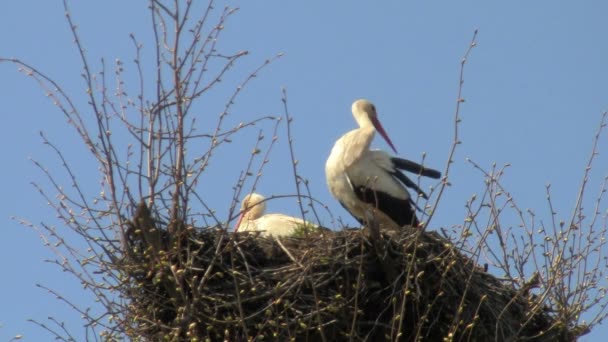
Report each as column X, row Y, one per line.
column 382, row 132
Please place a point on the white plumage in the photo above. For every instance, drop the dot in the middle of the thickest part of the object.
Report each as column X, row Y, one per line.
column 363, row 179
column 253, row 219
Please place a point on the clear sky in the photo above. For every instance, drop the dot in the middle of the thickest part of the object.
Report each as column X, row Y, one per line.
column 535, row 87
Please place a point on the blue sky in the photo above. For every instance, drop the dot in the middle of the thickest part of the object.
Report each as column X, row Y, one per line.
column 535, row 87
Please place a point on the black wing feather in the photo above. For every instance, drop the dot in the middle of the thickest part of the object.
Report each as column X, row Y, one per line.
column 409, row 183
column 399, row 210
column 410, row 166
column 402, row 211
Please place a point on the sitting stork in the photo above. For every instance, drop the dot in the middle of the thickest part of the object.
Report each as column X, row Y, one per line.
column 363, row 179
column 253, row 219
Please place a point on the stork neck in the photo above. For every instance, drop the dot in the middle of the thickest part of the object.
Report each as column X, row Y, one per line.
column 255, row 211
column 364, row 120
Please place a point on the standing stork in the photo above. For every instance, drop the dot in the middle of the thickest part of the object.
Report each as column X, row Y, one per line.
column 363, row 179
column 253, row 219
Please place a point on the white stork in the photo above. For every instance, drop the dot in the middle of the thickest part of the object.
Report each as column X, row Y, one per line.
column 253, row 219
column 363, row 179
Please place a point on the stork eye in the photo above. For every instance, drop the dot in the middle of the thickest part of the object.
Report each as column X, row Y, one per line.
column 373, row 108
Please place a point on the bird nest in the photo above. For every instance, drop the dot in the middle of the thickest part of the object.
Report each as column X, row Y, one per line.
column 405, row 285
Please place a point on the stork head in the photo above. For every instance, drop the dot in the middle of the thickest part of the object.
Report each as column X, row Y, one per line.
column 365, row 115
column 252, row 207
